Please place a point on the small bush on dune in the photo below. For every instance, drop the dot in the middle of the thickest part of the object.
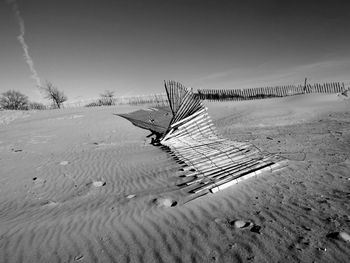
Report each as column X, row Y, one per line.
column 36, row 106
column 107, row 98
column 93, row 104
column 14, row 100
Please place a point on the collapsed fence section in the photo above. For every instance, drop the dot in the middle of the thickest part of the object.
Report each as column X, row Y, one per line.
column 269, row 92
column 210, row 162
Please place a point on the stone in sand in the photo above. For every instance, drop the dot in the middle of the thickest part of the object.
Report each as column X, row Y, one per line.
column 130, row 196
column 64, row 163
column 98, row 183
column 339, row 236
column 165, row 202
column 344, row 236
column 240, row 224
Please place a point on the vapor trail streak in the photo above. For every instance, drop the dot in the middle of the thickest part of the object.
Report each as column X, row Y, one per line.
column 24, row 45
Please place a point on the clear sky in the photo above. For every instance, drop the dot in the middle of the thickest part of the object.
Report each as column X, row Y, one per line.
column 85, row 47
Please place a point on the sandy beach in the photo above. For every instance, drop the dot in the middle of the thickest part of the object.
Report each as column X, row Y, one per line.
column 85, row 185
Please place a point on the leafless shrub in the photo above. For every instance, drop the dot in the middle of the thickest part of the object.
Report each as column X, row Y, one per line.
column 53, row 93
column 156, row 100
column 93, row 104
column 107, row 98
column 13, row 100
column 36, row 106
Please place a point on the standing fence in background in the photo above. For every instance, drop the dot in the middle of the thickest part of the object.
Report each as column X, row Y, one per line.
column 211, row 94
column 153, row 99
column 269, row 92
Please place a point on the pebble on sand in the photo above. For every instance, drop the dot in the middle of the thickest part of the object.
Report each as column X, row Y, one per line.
column 340, row 236
column 344, row 236
column 165, row 202
column 98, row 183
column 240, row 224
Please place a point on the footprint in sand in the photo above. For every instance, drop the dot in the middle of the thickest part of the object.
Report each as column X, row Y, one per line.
column 256, row 229
column 48, row 203
column 86, row 189
column 38, row 182
column 78, row 258
column 220, row 221
column 164, row 202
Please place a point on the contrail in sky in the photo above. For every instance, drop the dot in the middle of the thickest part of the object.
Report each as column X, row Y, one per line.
column 24, row 45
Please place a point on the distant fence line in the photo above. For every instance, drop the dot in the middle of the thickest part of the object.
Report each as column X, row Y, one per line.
column 211, row 94
column 155, row 99
column 269, row 92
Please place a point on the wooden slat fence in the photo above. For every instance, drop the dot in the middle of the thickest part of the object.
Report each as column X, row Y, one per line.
column 211, row 162
column 269, row 92
column 153, row 99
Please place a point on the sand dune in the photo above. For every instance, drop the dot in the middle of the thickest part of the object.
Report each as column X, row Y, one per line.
column 84, row 185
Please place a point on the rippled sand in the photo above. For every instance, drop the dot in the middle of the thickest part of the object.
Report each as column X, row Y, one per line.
column 85, row 185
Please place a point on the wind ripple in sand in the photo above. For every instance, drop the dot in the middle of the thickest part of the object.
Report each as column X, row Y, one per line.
column 8, row 116
column 62, row 217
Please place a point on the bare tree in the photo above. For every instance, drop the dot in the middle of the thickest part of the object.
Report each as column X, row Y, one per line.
column 14, row 100
column 53, row 93
column 107, row 98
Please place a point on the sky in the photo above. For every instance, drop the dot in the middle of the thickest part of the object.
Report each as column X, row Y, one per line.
column 85, row 47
